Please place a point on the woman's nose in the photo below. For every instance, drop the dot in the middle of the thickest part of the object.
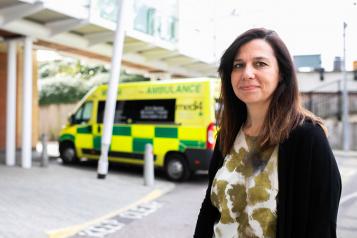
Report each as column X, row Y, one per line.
column 248, row 72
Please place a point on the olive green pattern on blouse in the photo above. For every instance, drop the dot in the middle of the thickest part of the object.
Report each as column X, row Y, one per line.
column 238, row 196
column 250, row 164
column 259, row 193
column 257, row 157
column 220, row 198
column 236, row 160
column 264, row 216
column 251, row 142
column 244, row 228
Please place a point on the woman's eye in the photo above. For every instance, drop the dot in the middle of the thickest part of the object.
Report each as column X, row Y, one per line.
column 238, row 66
column 260, row 64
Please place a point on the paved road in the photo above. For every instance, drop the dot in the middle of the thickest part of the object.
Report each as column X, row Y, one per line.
column 347, row 217
column 174, row 215
column 175, row 218
column 63, row 199
column 177, row 211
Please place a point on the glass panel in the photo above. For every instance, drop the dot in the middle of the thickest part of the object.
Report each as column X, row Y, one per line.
column 141, row 20
column 119, row 116
column 162, row 110
column 78, row 115
column 156, row 18
column 87, row 111
column 106, row 9
column 100, row 114
column 139, row 111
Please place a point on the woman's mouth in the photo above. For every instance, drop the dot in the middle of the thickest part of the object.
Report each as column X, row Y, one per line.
column 249, row 87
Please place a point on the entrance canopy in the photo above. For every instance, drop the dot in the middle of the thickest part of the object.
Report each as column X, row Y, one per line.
column 86, row 28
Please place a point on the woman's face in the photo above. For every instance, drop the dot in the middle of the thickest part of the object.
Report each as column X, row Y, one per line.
column 255, row 73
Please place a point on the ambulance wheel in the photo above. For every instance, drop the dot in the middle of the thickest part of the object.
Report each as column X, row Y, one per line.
column 68, row 153
column 176, row 168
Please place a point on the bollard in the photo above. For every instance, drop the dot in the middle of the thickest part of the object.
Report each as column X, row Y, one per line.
column 148, row 166
column 44, row 155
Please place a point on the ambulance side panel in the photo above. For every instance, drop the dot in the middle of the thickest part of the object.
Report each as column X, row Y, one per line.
column 173, row 117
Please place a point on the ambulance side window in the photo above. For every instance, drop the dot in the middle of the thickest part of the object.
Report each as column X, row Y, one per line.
column 119, row 116
column 84, row 113
column 150, row 111
column 100, row 114
column 141, row 111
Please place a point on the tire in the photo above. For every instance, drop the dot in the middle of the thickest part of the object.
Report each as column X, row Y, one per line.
column 176, row 168
column 68, row 153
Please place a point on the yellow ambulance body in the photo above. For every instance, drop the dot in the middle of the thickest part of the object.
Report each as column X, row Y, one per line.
column 177, row 117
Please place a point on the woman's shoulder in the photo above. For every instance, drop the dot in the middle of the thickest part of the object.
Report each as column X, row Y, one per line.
column 308, row 130
column 310, row 141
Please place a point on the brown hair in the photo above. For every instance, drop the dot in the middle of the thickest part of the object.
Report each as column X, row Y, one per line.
column 285, row 111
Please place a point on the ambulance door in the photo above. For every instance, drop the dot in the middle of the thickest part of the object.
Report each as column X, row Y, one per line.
column 98, row 127
column 121, row 134
column 84, row 136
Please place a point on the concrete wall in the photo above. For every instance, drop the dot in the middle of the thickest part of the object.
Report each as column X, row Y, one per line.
column 311, row 81
column 335, row 134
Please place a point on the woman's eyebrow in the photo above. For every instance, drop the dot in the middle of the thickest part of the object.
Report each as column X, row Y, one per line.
column 255, row 58
column 261, row 58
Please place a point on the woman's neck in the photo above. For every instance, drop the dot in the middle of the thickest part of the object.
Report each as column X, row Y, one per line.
column 255, row 119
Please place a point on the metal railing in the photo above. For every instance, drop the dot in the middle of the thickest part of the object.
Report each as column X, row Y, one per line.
column 328, row 104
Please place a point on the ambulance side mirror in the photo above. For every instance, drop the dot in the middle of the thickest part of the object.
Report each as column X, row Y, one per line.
column 71, row 119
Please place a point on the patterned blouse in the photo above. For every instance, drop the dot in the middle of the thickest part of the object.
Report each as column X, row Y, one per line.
column 245, row 189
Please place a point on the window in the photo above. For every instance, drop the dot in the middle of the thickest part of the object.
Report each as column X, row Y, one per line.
column 84, row 113
column 141, row 111
column 78, row 115
column 87, row 111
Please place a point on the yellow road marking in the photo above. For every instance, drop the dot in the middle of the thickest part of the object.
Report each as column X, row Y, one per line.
column 69, row 231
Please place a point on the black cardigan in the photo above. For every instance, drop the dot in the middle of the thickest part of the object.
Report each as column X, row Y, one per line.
column 309, row 187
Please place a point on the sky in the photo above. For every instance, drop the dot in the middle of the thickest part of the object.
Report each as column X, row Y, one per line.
column 306, row 26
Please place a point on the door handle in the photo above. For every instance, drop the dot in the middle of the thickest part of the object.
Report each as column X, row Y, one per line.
column 98, row 129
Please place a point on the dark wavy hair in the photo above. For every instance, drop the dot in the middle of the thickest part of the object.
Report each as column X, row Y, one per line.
column 285, row 111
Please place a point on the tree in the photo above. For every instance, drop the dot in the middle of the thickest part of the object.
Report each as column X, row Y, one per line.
column 67, row 81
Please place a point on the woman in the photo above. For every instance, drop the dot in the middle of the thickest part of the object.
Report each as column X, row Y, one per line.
column 272, row 172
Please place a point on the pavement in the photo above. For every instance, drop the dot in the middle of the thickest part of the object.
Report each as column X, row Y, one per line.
column 61, row 201
column 347, row 164
column 68, row 201
column 347, row 219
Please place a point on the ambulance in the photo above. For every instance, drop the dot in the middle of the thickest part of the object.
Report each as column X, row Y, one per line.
column 177, row 117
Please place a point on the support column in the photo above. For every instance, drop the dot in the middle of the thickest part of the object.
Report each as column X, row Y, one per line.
column 112, row 91
column 27, row 105
column 346, row 111
column 11, row 104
